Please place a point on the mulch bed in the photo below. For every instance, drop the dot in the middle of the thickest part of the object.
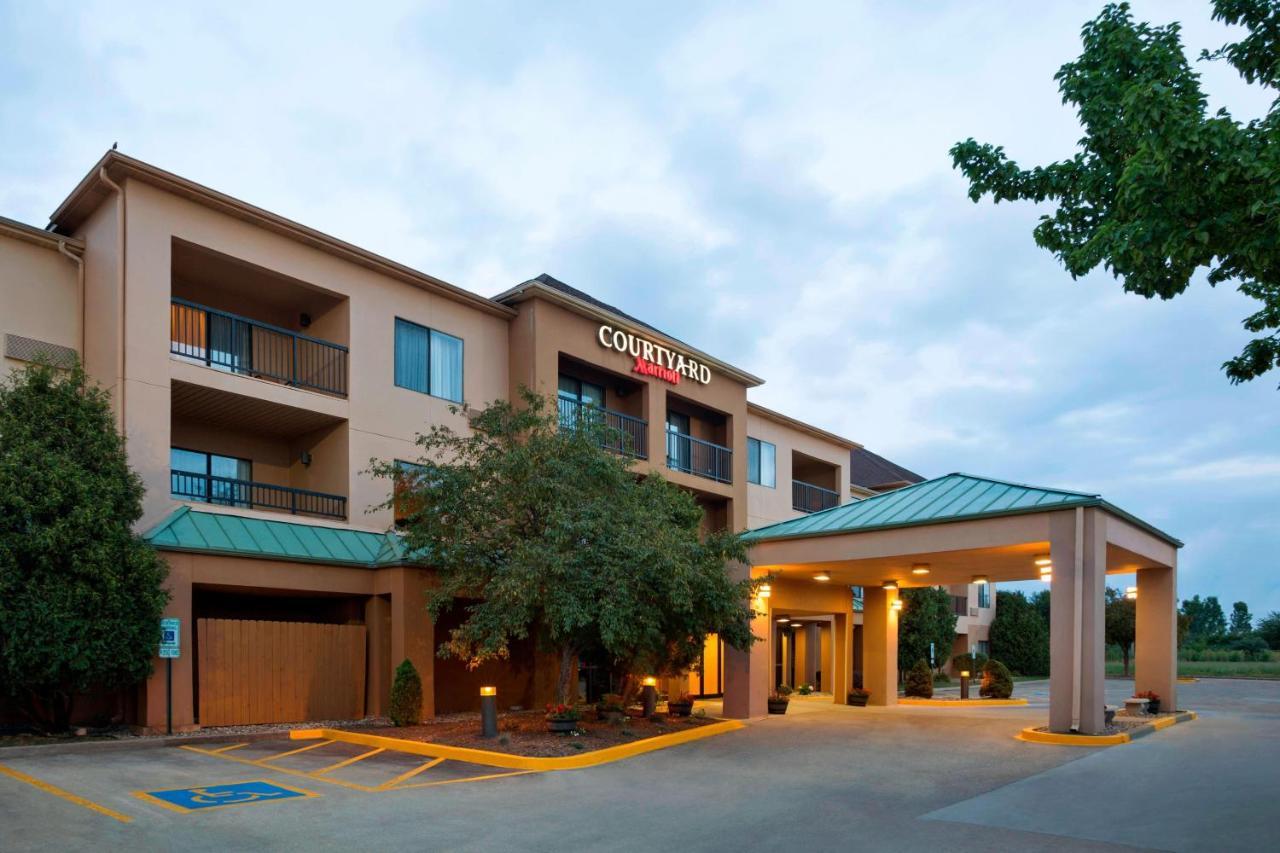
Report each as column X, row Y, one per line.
column 525, row 732
column 1123, row 723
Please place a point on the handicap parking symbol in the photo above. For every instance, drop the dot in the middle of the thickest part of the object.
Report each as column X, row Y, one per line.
column 234, row 794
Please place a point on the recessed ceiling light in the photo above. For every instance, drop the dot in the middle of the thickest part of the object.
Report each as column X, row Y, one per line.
column 920, row 569
column 822, row 577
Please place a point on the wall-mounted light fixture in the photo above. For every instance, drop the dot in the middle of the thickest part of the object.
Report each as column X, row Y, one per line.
column 1047, row 577
column 1131, row 593
column 1043, row 560
column 889, row 585
column 305, row 458
column 764, row 591
column 822, row 577
column 897, row 604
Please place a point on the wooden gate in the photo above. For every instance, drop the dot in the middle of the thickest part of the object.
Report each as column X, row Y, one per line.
column 253, row 671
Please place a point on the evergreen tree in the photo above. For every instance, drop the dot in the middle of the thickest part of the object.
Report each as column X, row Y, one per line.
column 927, row 619
column 1019, row 636
column 1241, row 620
column 80, row 593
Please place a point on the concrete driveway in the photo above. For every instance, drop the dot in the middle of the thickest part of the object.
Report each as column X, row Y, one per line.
column 823, row 775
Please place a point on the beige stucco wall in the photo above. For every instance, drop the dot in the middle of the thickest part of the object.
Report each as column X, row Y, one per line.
column 767, row 505
column 39, row 296
column 382, row 419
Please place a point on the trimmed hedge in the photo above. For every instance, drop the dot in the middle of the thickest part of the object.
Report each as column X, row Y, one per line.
column 406, row 696
column 918, row 681
column 997, row 683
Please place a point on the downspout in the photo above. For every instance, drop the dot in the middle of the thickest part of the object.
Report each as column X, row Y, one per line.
column 120, row 241
column 79, row 262
column 1077, row 627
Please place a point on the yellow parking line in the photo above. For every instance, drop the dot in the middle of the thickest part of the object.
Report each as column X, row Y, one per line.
column 467, row 779
column 296, row 751
column 352, row 760
column 66, row 795
column 229, row 748
column 274, row 768
column 411, row 773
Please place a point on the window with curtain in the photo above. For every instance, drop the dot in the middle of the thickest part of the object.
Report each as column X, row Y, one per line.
column 428, row 361
column 761, row 463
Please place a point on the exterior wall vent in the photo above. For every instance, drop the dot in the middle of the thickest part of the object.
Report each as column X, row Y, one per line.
column 29, row 349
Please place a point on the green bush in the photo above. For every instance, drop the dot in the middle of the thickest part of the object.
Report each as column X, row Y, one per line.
column 997, row 683
column 406, row 696
column 972, row 661
column 1251, row 647
column 919, row 680
column 941, row 678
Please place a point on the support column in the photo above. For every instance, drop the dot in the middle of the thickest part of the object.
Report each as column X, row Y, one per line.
column 1156, row 638
column 412, row 632
column 880, row 645
column 1077, row 670
column 746, row 673
column 154, row 706
column 377, row 620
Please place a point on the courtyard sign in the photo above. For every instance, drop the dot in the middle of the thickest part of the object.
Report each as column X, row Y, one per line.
column 653, row 359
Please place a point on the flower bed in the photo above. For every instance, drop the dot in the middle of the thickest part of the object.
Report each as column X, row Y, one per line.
column 525, row 732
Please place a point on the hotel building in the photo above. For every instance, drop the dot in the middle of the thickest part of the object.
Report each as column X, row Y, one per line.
column 257, row 365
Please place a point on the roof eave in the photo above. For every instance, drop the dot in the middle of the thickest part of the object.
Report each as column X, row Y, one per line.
column 809, row 429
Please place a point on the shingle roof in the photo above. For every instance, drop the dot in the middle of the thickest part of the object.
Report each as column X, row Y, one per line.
column 871, row 470
column 955, row 497
column 191, row 529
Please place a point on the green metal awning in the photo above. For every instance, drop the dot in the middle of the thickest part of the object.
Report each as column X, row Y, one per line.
column 192, row 529
column 955, row 497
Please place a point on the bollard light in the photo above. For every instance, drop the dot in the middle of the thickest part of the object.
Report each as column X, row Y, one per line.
column 649, row 696
column 964, row 684
column 488, row 711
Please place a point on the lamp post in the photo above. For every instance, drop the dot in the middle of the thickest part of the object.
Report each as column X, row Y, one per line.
column 964, row 684
column 488, row 712
column 649, row 696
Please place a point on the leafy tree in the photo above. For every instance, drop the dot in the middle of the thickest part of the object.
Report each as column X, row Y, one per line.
column 406, row 695
column 1269, row 629
column 997, row 683
column 918, row 681
column 80, row 593
column 1184, row 627
column 926, row 619
column 1019, row 636
column 1121, row 624
column 1160, row 187
column 1042, row 601
column 1241, row 620
column 535, row 530
column 1208, row 625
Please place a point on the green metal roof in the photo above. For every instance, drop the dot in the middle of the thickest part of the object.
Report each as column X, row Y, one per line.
column 192, row 529
column 955, row 497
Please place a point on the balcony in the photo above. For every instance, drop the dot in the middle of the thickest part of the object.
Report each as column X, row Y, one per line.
column 236, row 344
column 700, row 458
column 226, row 491
column 618, row 432
column 806, row 497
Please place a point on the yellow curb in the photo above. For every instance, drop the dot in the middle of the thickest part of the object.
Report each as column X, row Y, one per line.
column 1030, row 735
column 522, row 762
column 959, row 703
column 1187, row 679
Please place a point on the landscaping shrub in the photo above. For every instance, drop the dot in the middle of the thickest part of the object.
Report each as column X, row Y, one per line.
column 997, row 683
column 1251, row 647
column 919, row 680
column 406, row 696
column 941, row 678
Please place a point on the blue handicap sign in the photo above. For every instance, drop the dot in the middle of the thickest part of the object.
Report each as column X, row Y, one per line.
column 235, row 794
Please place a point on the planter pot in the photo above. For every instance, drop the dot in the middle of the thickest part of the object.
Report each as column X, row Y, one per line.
column 680, row 709
column 1110, row 714
column 778, row 707
column 860, row 701
column 561, row 726
column 1153, row 707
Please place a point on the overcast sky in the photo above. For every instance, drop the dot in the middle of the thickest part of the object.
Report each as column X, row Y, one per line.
column 769, row 182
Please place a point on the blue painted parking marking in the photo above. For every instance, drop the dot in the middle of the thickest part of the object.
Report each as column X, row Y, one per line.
column 216, row 796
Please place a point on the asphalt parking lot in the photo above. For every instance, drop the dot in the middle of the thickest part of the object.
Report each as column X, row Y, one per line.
column 879, row 779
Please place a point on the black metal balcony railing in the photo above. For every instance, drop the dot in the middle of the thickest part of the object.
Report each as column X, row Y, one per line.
column 228, row 492
column 240, row 345
column 806, row 497
column 621, row 433
column 700, row 458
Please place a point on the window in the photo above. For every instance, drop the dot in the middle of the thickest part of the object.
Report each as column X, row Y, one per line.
column 407, row 474
column 580, row 391
column 983, row 647
column 209, row 477
column 428, row 361
column 984, row 594
column 761, row 463
column 679, row 448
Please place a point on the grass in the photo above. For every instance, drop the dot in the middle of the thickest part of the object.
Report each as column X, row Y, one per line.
column 1224, row 669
